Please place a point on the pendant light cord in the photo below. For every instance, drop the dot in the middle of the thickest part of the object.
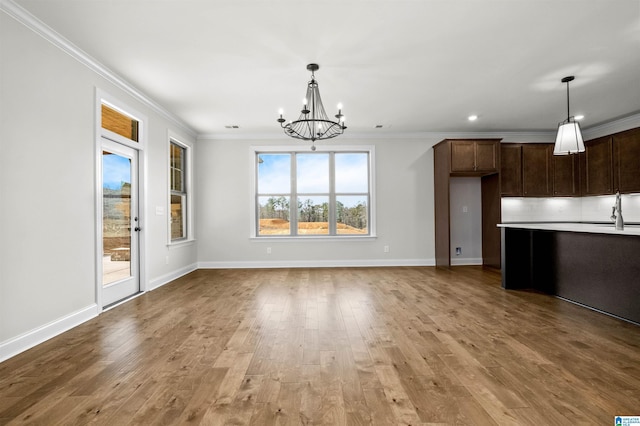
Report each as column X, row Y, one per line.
column 568, row 113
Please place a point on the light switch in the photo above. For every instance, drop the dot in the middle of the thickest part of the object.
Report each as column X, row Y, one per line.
column 159, row 210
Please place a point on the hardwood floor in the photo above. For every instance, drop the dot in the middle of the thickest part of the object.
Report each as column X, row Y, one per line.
column 380, row 346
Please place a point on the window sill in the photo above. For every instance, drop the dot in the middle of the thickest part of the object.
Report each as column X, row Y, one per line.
column 319, row 238
column 181, row 243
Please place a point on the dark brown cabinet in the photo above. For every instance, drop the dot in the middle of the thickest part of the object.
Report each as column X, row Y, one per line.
column 566, row 176
column 626, row 161
column 597, row 162
column 471, row 156
column 537, row 172
column 612, row 163
column 531, row 170
column 609, row 164
column 511, row 169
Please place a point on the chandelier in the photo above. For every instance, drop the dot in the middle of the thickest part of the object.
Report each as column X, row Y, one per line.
column 313, row 123
column 569, row 137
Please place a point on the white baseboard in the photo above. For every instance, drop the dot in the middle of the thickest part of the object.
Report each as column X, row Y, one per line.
column 43, row 333
column 317, row 263
column 173, row 275
column 464, row 261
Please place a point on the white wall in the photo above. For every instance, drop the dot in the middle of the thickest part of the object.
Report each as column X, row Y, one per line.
column 47, row 181
column 404, row 201
column 404, row 207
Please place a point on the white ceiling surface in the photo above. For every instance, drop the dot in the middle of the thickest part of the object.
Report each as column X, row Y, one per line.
column 412, row 66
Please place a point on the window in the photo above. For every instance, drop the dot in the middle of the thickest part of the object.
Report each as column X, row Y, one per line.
column 178, row 190
column 120, row 123
column 313, row 193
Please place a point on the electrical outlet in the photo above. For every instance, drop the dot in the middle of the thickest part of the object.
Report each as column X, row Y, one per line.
column 458, row 251
column 386, row 249
column 268, row 250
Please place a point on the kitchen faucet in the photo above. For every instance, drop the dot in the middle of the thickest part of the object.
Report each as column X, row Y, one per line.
column 616, row 214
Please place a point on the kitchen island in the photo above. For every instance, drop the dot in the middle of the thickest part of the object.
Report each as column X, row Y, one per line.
column 594, row 265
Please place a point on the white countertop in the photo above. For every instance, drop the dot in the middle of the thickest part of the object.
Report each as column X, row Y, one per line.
column 596, row 228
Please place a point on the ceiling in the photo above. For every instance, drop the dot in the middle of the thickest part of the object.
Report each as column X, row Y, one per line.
column 409, row 65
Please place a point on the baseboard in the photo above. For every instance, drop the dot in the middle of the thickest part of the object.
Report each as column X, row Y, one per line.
column 173, row 275
column 355, row 263
column 43, row 333
column 464, row 261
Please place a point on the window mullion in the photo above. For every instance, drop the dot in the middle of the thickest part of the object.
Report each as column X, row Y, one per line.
column 293, row 203
column 332, row 195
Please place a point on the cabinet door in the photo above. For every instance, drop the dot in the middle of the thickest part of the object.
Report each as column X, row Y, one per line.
column 486, row 156
column 598, row 166
column 566, row 181
column 537, row 174
column 626, row 157
column 463, row 156
column 511, row 170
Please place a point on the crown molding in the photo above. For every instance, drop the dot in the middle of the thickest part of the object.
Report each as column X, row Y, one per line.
column 618, row 125
column 24, row 17
column 507, row 136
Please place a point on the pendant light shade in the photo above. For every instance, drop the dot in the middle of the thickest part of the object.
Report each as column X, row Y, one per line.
column 569, row 138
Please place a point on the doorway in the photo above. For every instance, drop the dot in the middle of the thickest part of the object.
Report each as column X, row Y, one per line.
column 120, row 222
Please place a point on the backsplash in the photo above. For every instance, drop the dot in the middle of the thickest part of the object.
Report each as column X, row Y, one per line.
column 569, row 209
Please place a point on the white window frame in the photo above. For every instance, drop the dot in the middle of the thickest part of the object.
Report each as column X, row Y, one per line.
column 188, row 182
column 291, row 149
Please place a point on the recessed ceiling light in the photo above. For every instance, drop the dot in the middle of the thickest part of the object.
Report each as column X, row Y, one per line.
column 473, row 117
column 579, row 117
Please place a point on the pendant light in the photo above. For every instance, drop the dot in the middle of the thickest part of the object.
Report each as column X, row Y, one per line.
column 569, row 138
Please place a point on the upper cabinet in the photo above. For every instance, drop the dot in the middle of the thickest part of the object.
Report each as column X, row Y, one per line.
column 531, row 170
column 612, row 163
column 566, row 175
column 609, row 164
column 474, row 157
column 626, row 161
column 598, row 166
column 537, row 172
column 511, row 169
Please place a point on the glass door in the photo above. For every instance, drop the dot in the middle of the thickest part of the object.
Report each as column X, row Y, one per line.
column 120, row 223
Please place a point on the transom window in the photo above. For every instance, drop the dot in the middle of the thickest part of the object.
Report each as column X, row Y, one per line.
column 120, row 123
column 313, row 193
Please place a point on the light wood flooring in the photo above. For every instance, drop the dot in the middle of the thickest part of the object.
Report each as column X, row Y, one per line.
column 359, row 346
